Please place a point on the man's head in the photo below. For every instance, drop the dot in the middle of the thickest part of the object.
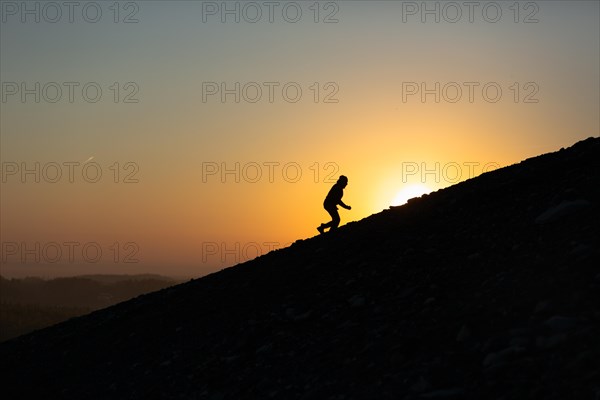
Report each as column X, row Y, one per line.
column 342, row 180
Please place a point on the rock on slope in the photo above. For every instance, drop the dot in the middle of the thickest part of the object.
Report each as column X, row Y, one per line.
column 486, row 290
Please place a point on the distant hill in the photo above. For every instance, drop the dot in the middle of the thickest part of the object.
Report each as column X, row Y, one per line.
column 32, row 303
column 106, row 278
column 120, row 278
column 488, row 289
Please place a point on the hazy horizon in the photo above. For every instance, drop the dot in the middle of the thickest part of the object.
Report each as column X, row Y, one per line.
column 169, row 138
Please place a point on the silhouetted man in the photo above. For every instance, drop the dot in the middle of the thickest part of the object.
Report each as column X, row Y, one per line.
column 334, row 197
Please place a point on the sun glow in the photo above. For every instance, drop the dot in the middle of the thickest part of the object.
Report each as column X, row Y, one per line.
column 409, row 192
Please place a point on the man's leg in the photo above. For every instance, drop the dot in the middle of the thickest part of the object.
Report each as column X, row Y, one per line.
column 335, row 218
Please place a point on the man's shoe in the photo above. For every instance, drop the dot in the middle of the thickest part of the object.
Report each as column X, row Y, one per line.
column 321, row 229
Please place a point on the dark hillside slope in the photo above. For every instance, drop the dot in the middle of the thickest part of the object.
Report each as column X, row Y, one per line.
column 489, row 289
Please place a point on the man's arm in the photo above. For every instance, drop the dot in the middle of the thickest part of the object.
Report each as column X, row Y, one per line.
column 341, row 203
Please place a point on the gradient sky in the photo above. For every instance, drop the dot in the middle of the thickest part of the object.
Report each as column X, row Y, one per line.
column 177, row 220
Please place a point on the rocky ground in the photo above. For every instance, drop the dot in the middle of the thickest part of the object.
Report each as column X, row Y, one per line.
column 489, row 289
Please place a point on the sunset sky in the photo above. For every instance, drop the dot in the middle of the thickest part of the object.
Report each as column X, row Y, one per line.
column 395, row 100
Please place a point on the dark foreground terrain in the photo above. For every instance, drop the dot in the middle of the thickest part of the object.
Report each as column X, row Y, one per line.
column 489, row 289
